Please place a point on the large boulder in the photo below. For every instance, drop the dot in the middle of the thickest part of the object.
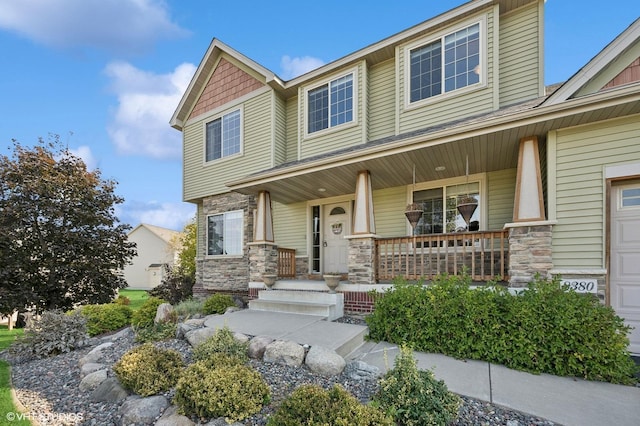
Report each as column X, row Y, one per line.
column 258, row 345
column 360, row 370
column 109, row 391
column 90, row 367
column 284, row 352
column 93, row 380
column 195, row 337
column 164, row 313
column 137, row 410
column 324, row 361
column 95, row 354
column 170, row 417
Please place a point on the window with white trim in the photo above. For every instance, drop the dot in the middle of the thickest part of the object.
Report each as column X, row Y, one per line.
column 224, row 233
column 223, row 136
column 330, row 105
column 446, row 64
column 439, row 206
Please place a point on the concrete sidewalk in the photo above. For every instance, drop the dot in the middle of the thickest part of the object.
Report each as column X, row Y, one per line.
column 570, row 402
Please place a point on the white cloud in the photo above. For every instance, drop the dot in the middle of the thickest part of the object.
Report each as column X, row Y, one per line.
column 117, row 26
column 146, row 102
column 294, row 67
column 167, row 215
column 85, row 153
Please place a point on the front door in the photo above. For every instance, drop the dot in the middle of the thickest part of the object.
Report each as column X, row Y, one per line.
column 336, row 246
column 624, row 278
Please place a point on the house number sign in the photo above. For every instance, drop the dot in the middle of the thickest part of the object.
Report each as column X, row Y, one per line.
column 581, row 285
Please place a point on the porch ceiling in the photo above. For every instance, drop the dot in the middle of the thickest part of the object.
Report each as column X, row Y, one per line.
column 490, row 141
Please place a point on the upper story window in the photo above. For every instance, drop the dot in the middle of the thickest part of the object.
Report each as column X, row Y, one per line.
column 330, row 105
column 446, row 64
column 223, row 136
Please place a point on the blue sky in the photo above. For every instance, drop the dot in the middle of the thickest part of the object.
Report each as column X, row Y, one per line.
column 106, row 75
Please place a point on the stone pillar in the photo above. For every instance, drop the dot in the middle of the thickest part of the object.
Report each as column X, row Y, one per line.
column 529, row 252
column 362, row 259
column 263, row 259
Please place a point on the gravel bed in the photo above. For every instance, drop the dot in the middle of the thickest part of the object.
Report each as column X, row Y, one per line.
column 49, row 390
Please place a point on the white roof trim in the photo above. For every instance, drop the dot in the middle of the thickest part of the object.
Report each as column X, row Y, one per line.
column 595, row 65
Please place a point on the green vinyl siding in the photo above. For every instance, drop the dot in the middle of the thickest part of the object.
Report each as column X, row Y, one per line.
column 453, row 105
column 520, row 70
column 382, row 100
column 291, row 129
column 501, row 187
column 280, row 115
column 580, row 156
column 203, row 179
column 290, row 226
column 388, row 206
column 343, row 136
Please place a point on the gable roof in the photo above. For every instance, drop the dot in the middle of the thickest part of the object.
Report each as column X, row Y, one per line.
column 164, row 234
column 575, row 86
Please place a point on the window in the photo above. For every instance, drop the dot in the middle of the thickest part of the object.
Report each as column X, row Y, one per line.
column 630, row 197
column 224, row 233
column 449, row 63
column 330, row 104
column 439, row 206
column 223, row 136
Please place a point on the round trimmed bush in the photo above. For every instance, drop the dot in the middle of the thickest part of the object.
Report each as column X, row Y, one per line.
column 221, row 342
column 148, row 370
column 234, row 392
column 144, row 316
column 313, row 405
column 217, row 304
column 105, row 318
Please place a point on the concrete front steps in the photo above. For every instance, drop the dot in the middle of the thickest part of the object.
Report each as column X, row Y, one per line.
column 322, row 304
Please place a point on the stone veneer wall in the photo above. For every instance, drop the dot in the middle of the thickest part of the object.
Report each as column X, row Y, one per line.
column 263, row 259
column 362, row 260
column 529, row 253
column 226, row 273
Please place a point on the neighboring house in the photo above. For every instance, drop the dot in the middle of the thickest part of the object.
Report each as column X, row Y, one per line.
column 156, row 248
column 326, row 164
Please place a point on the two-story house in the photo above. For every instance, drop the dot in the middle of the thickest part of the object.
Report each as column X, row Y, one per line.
column 436, row 149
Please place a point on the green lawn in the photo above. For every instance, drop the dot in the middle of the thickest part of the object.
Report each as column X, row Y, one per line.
column 6, row 403
column 137, row 297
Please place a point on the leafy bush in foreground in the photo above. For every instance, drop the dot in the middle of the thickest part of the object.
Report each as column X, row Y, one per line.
column 148, row 370
column 546, row 329
column 223, row 342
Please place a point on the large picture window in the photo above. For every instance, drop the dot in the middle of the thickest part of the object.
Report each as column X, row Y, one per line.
column 223, row 136
column 446, row 64
column 330, row 105
column 224, row 234
column 439, row 206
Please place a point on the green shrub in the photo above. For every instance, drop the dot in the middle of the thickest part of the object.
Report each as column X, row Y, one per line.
column 147, row 370
column 217, row 304
column 313, row 405
column 105, row 318
column 189, row 307
column 545, row 329
column 414, row 397
column 223, row 342
column 176, row 286
column 156, row 332
column 234, row 392
column 52, row 334
column 144, row 316
column 122, row 300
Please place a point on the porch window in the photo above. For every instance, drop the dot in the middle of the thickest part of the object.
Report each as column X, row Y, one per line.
column 224, row 234
column 330, row 105
column 440, row 214
column 446, row 64
column 223, row 136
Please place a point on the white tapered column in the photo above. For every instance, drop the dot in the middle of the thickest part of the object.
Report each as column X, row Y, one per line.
column 363, row 218
column 263, row 226
column 529, row 203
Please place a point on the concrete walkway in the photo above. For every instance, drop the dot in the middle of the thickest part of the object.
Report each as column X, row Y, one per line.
column 562, row 400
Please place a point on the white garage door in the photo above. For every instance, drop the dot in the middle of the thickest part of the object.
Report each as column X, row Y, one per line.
column 624, row 276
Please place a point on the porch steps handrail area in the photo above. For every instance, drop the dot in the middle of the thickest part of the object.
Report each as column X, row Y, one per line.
column 483, row 254
column 286, row 263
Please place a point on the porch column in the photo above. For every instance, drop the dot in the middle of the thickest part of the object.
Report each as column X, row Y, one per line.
column 363, row 218
column 362, row 241
column 263, row 225
column 530, row 235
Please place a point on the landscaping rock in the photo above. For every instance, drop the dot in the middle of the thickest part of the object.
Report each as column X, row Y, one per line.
column 324, row 361
column 91, row 367
column 220, row 421
column 95, row 354
column 163, row 313
column 284, row 352
column 242, row 338
column 170, row 417
column 258, row 345
column 360, row 370
column 93, row 380
column 109, row 391
column 125, row 333
column 143, row 410
column 195, row 337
